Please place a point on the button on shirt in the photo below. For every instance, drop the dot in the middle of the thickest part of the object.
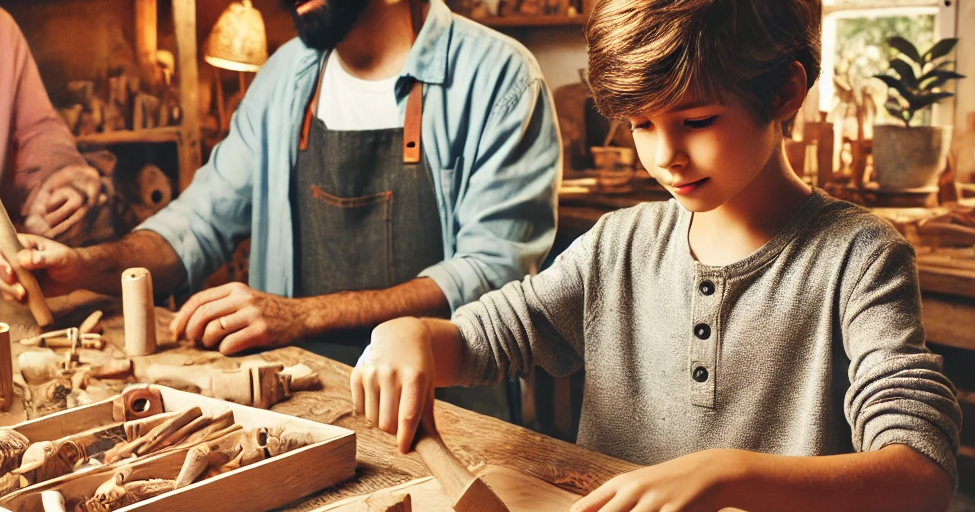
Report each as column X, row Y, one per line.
column 489, row 136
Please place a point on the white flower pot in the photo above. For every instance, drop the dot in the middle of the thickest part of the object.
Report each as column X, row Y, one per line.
column 909, row 157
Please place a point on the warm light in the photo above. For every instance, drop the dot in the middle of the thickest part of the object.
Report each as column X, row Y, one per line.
column 238, row 41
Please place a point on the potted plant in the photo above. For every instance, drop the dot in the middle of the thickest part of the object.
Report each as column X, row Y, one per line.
column 910, row 158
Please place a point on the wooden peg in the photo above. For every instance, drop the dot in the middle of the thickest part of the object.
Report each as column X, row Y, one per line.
column 138, row 310
column 9, row 246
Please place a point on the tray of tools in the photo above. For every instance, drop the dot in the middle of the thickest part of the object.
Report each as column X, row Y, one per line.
column 154, row 448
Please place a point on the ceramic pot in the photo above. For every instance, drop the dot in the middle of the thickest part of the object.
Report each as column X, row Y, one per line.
column 909, row 157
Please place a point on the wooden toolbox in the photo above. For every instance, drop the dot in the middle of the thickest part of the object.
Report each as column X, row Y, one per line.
column 263, row 485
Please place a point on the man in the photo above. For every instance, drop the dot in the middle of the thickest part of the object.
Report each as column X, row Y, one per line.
column 45, row 184
column 405, row 173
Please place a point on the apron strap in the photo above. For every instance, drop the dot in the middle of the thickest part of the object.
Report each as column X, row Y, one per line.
column 414, row 104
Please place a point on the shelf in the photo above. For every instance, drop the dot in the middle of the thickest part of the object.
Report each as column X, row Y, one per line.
column 167, row 134
column 532, row 21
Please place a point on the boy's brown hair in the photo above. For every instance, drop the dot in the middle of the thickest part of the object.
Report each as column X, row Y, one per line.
column 644, row 55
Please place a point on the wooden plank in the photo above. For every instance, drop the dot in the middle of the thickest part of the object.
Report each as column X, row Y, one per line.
column 532, row 21
column 520, row 493
column 948, row 320
column 184, row 19
column 954, row 281
column 153, row 135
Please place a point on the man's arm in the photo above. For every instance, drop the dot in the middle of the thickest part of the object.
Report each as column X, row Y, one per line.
column 62, row 269
column 103, row 264
column 348, row 310
column 236, row 317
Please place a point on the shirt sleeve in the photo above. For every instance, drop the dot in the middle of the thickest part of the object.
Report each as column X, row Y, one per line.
column 506, row 213
column 537, row 321
column 898, row 393
column 37, row 138
column 208, row 219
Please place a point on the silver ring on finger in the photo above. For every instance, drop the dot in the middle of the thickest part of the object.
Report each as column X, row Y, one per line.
column 223, row 322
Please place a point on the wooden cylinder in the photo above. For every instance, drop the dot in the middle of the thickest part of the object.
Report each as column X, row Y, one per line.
column 137, row 307
column 6, row 369
column 9, row 247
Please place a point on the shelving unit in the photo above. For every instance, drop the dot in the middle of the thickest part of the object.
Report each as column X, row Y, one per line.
column 186, row 135
column 533, row 21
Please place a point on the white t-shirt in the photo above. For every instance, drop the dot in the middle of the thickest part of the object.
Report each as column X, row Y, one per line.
column 350, row 103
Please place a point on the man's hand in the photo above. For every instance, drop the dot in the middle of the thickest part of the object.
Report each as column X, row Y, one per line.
column 392, row 384
column 56, row 266
column 237, row 317
column 684, row 484
column 62, row 201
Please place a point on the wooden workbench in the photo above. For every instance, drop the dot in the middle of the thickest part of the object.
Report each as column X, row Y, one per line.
column 475, row 439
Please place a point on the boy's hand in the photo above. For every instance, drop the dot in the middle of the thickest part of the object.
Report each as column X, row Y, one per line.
column 392, row 384
column 55, row 265
column 685, row 484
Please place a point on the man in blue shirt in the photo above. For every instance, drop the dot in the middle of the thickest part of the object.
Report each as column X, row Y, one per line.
column 356, row 216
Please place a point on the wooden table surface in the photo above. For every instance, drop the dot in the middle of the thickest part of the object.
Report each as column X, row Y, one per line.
column 475, row 439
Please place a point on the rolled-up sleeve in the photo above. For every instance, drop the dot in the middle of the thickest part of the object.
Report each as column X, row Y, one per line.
column 208, row 219
column 898, row 393
column 505, row 214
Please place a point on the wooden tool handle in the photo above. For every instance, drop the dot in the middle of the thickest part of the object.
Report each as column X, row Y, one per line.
column 452, row 475
column 9, row 247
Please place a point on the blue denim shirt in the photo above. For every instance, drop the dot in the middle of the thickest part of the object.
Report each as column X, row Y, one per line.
column 489, row 137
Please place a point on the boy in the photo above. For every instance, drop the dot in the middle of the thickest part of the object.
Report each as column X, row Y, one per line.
column 755, row 342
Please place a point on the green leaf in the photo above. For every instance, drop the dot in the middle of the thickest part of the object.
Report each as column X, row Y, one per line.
column 905, row 47
column 940, row 49
column 937, row 78
column 926, row 100
column 906, row 72
column 893, row 83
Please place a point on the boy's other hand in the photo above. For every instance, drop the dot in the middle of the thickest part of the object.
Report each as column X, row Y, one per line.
column 392, row 384
column 55, row 265
column 685, row 484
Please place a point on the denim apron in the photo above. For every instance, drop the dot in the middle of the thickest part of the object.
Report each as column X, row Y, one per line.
column 365, row 218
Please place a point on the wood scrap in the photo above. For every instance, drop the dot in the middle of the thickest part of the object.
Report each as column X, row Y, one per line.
column 45, row 460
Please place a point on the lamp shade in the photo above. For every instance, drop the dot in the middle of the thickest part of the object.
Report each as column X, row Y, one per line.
column 238, row 40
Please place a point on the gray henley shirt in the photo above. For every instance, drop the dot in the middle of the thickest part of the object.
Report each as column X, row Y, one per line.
column 812, row 345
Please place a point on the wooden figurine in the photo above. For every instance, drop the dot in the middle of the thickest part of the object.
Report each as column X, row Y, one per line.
column 45, row 460
column 259, row 385
column 137, row 308
column 118, row 492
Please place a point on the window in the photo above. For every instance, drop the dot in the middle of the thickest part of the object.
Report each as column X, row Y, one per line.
column 855, row 48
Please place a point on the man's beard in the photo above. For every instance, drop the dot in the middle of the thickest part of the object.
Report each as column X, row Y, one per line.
column 326, row 25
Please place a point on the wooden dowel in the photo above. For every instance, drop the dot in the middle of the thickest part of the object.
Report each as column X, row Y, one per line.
column 9, row 247
column 6, row 369
column 138, row 310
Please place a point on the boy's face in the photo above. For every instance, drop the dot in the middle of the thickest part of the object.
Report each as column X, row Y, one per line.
column 704, row 153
